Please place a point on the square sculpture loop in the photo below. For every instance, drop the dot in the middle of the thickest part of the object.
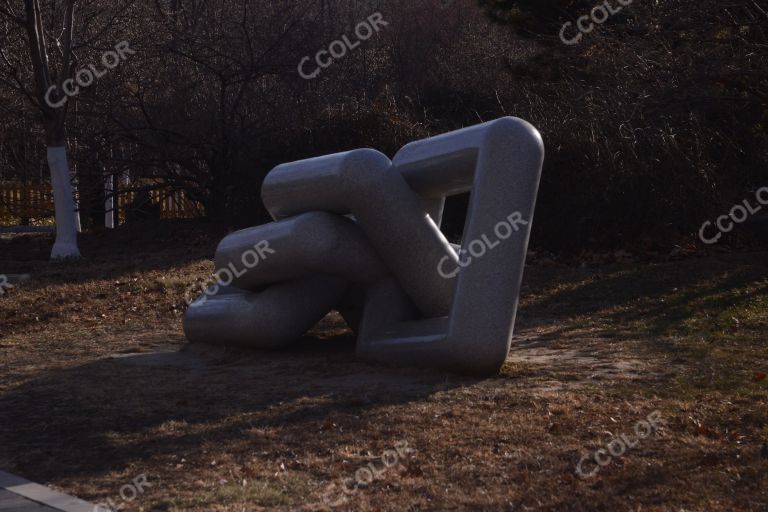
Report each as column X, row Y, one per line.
column 360, row 233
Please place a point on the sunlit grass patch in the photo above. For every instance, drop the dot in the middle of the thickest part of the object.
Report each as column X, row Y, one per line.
column 267, row 492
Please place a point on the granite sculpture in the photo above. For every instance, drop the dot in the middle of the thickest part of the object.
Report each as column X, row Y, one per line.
column 360, row 233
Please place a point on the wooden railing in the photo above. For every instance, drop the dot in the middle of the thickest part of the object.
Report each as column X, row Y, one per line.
column 25, row 201
column 173, row 204
column 35, row 202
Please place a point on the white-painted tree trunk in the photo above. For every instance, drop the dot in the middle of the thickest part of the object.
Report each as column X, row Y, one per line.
column 66, row 224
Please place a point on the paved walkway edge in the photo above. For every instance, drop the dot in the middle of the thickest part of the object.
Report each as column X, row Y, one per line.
column 43, row 495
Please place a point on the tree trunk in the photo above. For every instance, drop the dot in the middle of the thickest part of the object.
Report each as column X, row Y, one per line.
column 111, row 218
column 54, row 119
column 66, row 224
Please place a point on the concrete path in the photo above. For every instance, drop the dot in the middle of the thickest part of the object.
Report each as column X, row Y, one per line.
column 20, row 495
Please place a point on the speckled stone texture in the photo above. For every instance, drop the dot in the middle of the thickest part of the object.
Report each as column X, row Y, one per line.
column 360, row 233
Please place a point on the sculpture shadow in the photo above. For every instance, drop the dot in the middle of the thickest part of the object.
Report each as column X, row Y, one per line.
column 114, row 413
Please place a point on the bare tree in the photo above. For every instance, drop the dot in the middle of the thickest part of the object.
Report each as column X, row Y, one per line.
column 53, row 118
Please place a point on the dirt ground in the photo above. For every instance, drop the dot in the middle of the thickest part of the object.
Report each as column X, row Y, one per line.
column 97, row 401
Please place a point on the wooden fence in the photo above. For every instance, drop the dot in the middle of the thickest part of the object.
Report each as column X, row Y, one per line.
column 35, row 202
column 24, row 201
column 173, row 204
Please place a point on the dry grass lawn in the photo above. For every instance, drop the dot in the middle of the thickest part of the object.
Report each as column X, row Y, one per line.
column 93, row 394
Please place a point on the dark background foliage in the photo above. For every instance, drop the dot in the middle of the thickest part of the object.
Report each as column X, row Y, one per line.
column 655, row 122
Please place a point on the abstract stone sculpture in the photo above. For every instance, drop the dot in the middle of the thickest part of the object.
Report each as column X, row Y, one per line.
column 360, row 233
